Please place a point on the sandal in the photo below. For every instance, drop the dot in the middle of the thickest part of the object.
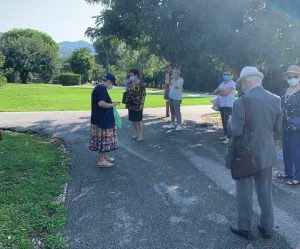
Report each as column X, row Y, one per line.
column 105, row 164
column 226, row 141
column 110, row 159
column 281, row 175
column 293, row 182
column 140, row 139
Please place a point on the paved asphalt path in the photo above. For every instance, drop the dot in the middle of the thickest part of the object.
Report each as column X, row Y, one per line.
column 170, row 192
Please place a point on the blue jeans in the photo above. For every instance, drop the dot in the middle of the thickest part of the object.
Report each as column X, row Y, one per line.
column 291, row 154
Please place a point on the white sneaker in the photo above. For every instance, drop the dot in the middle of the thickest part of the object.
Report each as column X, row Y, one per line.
column 170, row 126
column 179, row 128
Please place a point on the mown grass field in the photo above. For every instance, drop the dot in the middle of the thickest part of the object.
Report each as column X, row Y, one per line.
column 44, row 97
column 32, row 171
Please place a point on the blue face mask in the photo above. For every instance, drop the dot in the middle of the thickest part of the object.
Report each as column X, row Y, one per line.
column 226, row 77
column 131, row 78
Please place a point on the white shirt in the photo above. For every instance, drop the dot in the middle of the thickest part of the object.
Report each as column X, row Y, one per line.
column 227, row 101
column 176, row 93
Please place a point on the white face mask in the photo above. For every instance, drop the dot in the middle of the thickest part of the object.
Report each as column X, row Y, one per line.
column 110, row 87
column 293, row 81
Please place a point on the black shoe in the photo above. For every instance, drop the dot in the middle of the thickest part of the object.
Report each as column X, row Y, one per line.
column 265, row 233
column 242, row 233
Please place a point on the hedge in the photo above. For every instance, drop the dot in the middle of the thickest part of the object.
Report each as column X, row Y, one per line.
column 69, row 79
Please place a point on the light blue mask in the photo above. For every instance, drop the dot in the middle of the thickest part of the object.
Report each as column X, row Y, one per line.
column 226, row 77
column 131, row 78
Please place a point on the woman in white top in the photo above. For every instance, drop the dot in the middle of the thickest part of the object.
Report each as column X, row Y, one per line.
column 175, row 99
column 226, row 96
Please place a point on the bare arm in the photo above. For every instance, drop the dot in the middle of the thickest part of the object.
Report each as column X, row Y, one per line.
column 105, row 105
column 217, row 90
column 226, row 91
column 178, row 84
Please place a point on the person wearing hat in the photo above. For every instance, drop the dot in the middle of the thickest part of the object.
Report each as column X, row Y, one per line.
column 226, row 97
column 265, row 115
column 103, row 137
column 290, row 102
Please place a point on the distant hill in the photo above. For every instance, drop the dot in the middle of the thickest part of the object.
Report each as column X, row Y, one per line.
column 67, row 48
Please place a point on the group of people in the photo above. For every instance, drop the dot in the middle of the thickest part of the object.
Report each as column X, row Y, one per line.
column 252, row 121
column 103, row 137
column 267, row 114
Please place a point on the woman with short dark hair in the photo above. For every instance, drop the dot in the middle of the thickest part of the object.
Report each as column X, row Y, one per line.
column 136, row 94
column 226, row 97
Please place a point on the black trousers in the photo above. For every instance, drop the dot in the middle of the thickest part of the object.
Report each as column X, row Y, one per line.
column 225, row 113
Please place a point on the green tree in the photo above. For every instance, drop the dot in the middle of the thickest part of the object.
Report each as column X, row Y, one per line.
column 2, row 75
column 98, row 72
column 106, row 51
column 83, row 63
column 30, row 51
column 203, row 36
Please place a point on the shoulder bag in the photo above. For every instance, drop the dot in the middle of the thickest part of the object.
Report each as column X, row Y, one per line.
column 242, row 161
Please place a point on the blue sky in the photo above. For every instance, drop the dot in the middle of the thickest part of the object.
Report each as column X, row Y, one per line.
column 64, row 20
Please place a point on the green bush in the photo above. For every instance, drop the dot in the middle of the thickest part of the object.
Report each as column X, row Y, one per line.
column 12, row 76
column 3, row 80
column 70, row 79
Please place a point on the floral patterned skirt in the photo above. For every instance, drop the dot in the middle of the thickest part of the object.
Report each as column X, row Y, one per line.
column 103, row 140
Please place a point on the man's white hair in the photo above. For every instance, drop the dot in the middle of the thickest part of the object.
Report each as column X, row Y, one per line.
column 254, row 79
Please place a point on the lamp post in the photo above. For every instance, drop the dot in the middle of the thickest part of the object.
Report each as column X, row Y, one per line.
column 167, row 87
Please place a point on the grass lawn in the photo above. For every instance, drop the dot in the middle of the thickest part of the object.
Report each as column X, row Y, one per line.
column 42, row 97
column 29, row 183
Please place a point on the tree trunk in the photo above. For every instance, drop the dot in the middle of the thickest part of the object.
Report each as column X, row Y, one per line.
column 24, row 77
column 1, row 136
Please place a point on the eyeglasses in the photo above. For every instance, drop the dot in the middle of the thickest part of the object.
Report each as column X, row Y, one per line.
column 292, row 77
column 104, row 80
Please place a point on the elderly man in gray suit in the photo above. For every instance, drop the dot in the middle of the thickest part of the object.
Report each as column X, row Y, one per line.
column 265, row 118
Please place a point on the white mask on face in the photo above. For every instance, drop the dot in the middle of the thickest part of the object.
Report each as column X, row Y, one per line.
column 293, row 81
column 110, row 87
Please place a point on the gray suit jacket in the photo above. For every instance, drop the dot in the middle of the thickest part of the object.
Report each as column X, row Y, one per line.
column 265, row 118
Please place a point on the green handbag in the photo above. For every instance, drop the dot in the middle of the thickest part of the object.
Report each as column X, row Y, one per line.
column 118, row 119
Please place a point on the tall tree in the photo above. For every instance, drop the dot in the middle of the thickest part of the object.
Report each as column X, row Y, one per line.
column 82, row 62
column 205, row 35
column 30, row 51
column 106, row 51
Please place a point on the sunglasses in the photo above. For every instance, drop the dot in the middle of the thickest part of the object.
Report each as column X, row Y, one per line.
column 292, row 77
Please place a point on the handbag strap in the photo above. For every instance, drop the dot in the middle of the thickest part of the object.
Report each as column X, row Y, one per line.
column 247, row 118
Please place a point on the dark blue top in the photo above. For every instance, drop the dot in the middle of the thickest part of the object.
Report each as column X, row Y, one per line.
column 102, row 117
column 290, row 108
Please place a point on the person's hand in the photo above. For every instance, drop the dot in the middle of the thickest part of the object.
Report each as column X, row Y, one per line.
column 116, row 103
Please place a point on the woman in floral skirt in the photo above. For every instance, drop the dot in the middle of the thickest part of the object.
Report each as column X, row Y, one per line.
column 103, row 137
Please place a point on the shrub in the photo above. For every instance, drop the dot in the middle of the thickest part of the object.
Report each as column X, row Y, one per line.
column 12, row 76
column 70, row 79
column 3, row 80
